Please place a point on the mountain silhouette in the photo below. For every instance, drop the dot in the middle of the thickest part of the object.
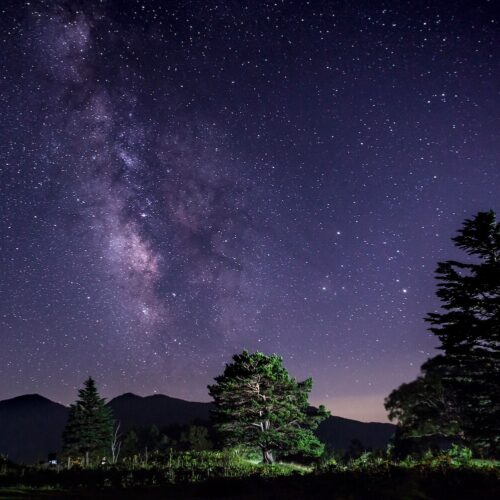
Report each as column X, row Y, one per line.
column 31, row 426
column 137, row 411
column 338, row 432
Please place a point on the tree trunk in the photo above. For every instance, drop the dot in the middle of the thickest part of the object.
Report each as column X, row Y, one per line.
column 267, row 456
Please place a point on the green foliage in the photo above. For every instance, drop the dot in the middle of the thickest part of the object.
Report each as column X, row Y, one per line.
column 368, row 459
column 88, row 432
column 460, row 455
column 227, row 474
column 258, row 404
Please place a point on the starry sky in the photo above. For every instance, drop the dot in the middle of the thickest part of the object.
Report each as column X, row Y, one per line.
column 183, row 180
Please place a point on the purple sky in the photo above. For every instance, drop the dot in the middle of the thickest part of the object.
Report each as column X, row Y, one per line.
column 183, row 180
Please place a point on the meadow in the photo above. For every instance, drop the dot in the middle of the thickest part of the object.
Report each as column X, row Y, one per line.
column 231, row 474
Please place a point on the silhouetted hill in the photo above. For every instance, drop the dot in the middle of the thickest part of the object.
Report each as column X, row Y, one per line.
column 31, row 426
column 338, row 432
column 138, row 411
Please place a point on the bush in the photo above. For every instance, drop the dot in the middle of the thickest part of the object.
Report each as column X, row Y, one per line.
column 460, row 455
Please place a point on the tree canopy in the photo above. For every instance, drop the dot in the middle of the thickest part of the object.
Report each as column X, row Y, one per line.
column 470, row 292
column 423, row 406
column 258, row 404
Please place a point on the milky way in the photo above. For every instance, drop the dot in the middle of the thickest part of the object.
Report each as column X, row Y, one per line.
column 180, row 181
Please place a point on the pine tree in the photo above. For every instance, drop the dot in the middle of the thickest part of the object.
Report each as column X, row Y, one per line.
column 258, row 404
column 469, row 330
column 470, row 292
column 89, row 429
column 459, row 392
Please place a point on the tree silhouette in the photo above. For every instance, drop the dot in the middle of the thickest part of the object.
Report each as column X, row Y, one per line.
column 89, row 430
column 459, row 392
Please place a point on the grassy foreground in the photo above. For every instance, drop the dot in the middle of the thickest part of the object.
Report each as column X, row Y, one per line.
column 222, row 475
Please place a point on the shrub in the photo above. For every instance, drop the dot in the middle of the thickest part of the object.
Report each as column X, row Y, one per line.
column 460, row 455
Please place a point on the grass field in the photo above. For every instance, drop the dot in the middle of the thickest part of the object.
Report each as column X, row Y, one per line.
column 222, row 475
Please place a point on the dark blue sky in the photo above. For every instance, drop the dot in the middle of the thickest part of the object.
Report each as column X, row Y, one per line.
column 182, row 181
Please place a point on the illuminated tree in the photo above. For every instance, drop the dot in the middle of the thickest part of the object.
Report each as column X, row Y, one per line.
column 258, row 404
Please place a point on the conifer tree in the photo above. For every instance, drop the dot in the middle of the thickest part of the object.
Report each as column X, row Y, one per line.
column 470, row 292
column 89, row 429
column 258, row 404
column 459, row 392
column 469, row 330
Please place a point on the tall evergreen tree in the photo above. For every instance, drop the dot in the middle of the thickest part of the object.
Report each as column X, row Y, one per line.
column 463, row 384
column 89, row 430
column 257, row 403
column 470, row 292
column 469, row 330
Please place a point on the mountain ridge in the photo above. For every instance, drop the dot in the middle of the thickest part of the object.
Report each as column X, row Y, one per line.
column 31, row 425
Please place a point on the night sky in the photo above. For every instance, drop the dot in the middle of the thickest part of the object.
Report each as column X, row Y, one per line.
column 183, row 180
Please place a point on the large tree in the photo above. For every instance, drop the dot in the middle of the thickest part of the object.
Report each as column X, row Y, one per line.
column 257, row 403
column 89, row 429
column 424, row 407
column 464, row 380
column 470, row 291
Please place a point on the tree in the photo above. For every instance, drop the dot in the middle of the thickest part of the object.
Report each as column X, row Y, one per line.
column 89, row 429
column 459, row 391
column 470, row 292
column 469, row 330
column 423, row 407
column 258, row 404
column 197, row 438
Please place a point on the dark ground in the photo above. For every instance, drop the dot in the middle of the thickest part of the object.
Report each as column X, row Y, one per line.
column 391, row 484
